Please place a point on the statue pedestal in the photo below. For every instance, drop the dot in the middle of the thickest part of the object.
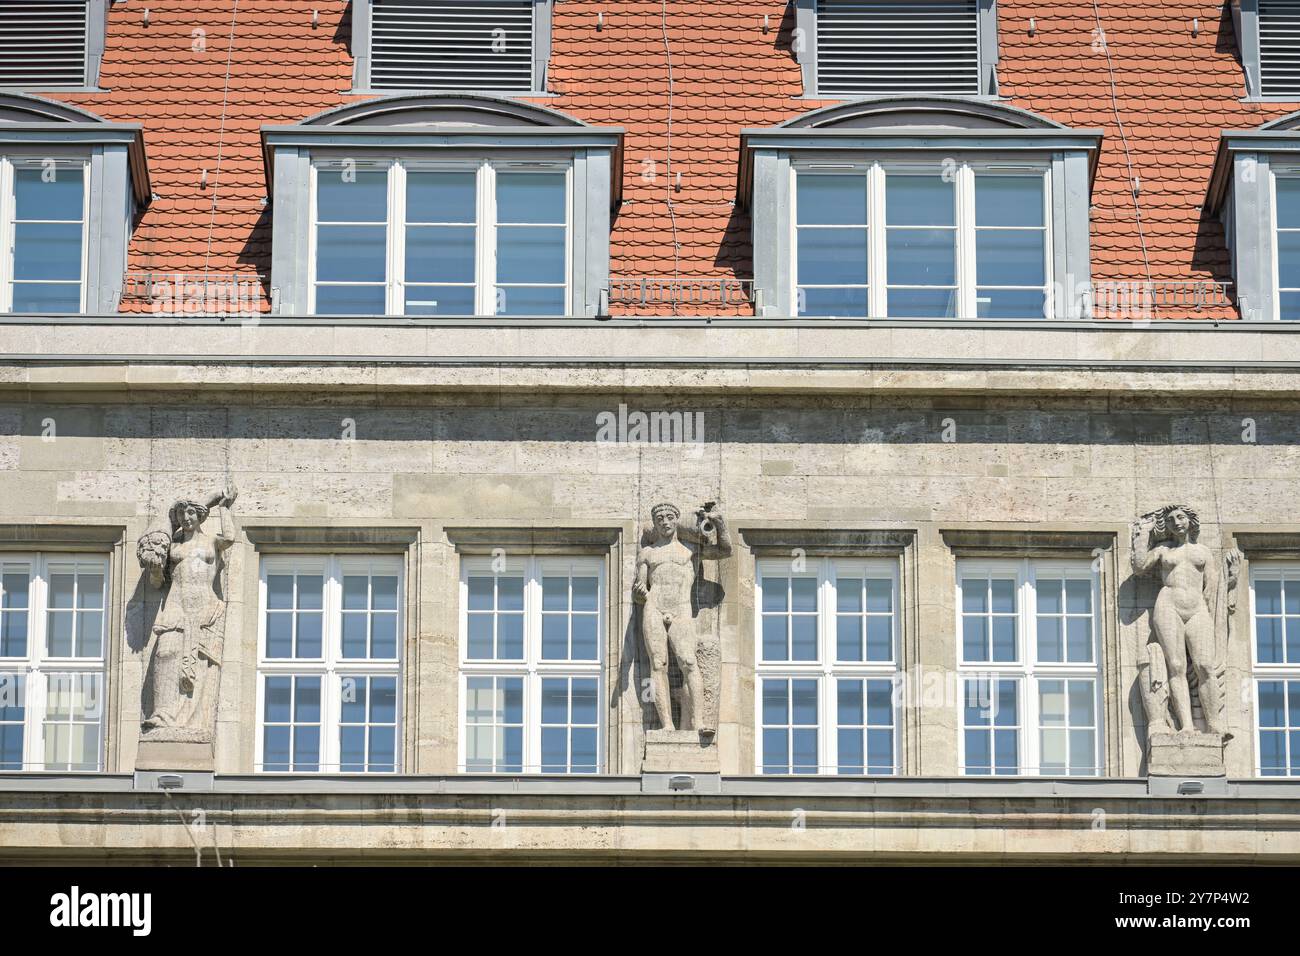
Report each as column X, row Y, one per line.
column 177, row 756
column 680, row 751
column 1185, row 755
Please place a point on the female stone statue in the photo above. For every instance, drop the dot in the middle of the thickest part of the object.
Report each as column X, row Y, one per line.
column 1183, row 620
column 189, row 631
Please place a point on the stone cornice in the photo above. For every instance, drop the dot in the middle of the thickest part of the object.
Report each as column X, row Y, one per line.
column 697, row 356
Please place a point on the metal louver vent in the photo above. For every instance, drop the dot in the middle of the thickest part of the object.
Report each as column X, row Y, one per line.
column 898, row 46
column 1279, row 47
column 452, row 45
column 43, row 44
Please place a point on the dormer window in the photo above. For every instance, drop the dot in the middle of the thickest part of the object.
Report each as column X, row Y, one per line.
column 442, row 206
column 1268, row 35
column 51, row 45
column 852, row 48
column 496, row 46
column 920, row 208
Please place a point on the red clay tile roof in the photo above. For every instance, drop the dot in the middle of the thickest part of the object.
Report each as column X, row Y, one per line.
column 1174, row 92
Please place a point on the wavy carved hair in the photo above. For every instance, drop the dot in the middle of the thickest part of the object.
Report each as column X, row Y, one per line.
column 1162, row 525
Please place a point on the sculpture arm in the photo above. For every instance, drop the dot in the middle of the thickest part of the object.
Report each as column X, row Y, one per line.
column 1143, row 555
column 641, row 583
column 715, row 552
column 228, row 530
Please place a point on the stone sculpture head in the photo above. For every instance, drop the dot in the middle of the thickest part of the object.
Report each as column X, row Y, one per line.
column 1178, row 522
column 665, row 517
column 187, row 516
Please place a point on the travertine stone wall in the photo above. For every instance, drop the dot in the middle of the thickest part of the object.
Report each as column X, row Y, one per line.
column 518, row 461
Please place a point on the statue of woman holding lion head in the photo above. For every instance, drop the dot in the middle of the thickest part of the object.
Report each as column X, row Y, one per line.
column 189, row 631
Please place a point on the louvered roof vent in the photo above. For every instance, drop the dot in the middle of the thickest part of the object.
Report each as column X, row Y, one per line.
column 452, row 45
column 43, row 44
column 1279, row 47
column 898, row 46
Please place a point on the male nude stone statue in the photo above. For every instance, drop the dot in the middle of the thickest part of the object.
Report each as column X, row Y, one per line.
column 664, row 587
column 1183, row 618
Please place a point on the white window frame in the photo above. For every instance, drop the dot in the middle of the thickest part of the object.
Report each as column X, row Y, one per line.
column 331, row 666
column 1290, row 671
column 485, row 256
column 38, row 665
column 1027, row 670
column 9, row 162
column 1275, row 237
column 826, row 670
column 532, row 668
column 965, row 171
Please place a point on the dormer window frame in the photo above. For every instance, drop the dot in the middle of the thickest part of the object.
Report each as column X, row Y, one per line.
column 1243, row 195
column 1246, row 23
column 96, row 38
column 805, row 45
column 362, row 33
column 938, row 132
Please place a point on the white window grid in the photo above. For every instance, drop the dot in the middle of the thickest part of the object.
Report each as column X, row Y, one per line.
column 532, row 669
column 1285, row 671
column 1285, row 283
column 963, row 174
column 826, row 670
column 9, row 164
column 55, row 691
column 486, row 297
column 336, row 673
column 1028, row 672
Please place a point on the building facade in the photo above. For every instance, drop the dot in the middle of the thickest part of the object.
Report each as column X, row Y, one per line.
column 520, row 430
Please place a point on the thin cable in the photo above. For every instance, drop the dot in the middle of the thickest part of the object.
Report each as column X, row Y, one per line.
column 1123, row 135
column 672, row 208
column 221, row 138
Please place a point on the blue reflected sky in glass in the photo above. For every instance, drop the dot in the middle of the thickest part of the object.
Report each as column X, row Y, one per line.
column 47, row 251
column 1009, row 201
column 832, row 200
column 444, row 254
column 912, row 200
column 351, row 254
column 38, row 196
column 441, row 197
column 350, row 195
column 531, row 198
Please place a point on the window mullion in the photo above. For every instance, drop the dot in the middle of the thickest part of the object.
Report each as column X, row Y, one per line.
column 486, row 258
column 877, row 270
column 8, row 232
column 968, row 305
column 396, row 285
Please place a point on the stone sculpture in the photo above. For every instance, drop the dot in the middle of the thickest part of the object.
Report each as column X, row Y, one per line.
column 184, row 673
column 667, row 569
column 1190, row 623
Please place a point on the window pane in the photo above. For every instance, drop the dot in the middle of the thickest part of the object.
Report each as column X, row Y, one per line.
column 974, row 638
column 1272, row 703
column 309, row 635
column 47, row 250
column 919, row 201
column 355, row 638
column 531, row 197
column 441, row 197
column 62, row 590
column 774, row 594
column 1288, row 202
column 1010, row 257
column 555, row 637
column 1078, row 597
column 510, row 594
column 351, row 254
column 1004, row 639
column 849, row 303
column 38, row 297
column 803, row 592
column 584, row 640
column 848, row 638
column 53, row 192
column 439, row 300
column 1268, row 597
column 351, row 300
column 922, row 303
column 776, row 702
column 349, row 195
column 1011, row 303
column 1079, row 639
column 1268, row 637
column 1051, row 645
column 850, row 708
column 1288, row 259
column 804, row 634
column 1004, row 596
column 1290, row 306
column 1009, row 201
column 530, row 300
column 440, row 254
column 880, row 639
column 974, row 595
column 775, row 638
column 832, row 200
column 530, row 254
column 480, row 593
column 383, row 592
column 922, row 257
column 510, row 637
column 832, row 257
